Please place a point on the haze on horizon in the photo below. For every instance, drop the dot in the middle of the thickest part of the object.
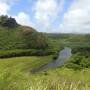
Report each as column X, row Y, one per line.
column 58, row 16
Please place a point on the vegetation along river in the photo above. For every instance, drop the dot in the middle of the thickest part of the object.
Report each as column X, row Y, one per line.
column 64, row 55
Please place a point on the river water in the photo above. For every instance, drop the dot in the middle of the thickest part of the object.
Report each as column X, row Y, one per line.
column 64, row 55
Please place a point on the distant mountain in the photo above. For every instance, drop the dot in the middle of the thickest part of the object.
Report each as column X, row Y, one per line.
column 15, row 36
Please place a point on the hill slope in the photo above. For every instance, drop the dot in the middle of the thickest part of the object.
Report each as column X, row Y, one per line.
column 15, row 36
column 15, row 74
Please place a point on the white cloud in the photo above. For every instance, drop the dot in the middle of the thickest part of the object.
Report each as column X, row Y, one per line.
column 23, row 19
column 46, row 11
column 77, row 19
column 9, row 1
column 5, row 6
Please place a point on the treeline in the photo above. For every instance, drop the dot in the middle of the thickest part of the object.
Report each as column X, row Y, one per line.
column 7, row 21
column 26, row 52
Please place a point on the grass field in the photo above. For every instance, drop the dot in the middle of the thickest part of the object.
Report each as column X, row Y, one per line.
column 15, row 74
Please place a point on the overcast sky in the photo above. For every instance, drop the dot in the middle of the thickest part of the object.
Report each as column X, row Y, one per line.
column 64, row 16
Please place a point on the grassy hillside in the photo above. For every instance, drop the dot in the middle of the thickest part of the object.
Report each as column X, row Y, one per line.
column 21, row 38
column 15, row 74
column 15, row 36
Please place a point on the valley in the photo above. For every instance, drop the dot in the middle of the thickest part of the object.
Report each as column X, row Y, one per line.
column 31, row 60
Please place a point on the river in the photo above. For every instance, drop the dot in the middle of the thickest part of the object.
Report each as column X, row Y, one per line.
column 64, row 55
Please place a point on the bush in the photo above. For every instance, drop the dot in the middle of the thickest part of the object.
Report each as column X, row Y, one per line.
column 80, row 59
column 73, row 66
column 17, row 53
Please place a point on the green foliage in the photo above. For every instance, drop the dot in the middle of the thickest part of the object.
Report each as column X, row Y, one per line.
column 80, row 59
column 35, row 40
column 24, row 52
column 8, row 21
column 3, row 18
column 14, row 36
column 82, row 50
column 69, row 40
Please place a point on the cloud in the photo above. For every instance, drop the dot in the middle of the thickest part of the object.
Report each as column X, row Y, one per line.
column 23, row 19
column 77, row 19
column 9, row 1
column 46, row 11
column 5, row 6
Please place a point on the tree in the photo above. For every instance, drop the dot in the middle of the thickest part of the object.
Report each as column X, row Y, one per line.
column 8, row 21
column 3, row 18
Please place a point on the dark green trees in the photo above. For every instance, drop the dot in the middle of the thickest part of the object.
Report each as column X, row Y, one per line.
column 80, row 58
column 7, row 21
column 35, row 40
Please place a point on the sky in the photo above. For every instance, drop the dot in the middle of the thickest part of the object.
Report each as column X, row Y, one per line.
column 52, row 16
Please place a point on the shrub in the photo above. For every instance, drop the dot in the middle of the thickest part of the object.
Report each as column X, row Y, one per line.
column 80, row 59
column 27, row 52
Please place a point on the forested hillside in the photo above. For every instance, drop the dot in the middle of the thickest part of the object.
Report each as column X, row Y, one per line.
column 15, row 36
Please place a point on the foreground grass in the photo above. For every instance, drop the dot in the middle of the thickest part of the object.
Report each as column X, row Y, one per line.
column 15, row 74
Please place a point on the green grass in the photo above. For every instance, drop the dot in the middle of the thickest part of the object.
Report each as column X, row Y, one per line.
column 15, row 74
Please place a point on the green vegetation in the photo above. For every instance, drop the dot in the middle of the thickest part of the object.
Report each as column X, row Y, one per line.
column 31, row 50
column 14, row 36
column 8, row 22
column 69, row 40
column 80, row 49
column 21, row 38
column 15, row 74
column 17, row 40
column 24, row 52
column 80, row 58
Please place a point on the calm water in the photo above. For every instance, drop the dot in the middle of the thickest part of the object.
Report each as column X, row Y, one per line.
column 64, row 55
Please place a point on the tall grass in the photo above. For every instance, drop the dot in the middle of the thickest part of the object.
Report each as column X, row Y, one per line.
column 46, row 85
